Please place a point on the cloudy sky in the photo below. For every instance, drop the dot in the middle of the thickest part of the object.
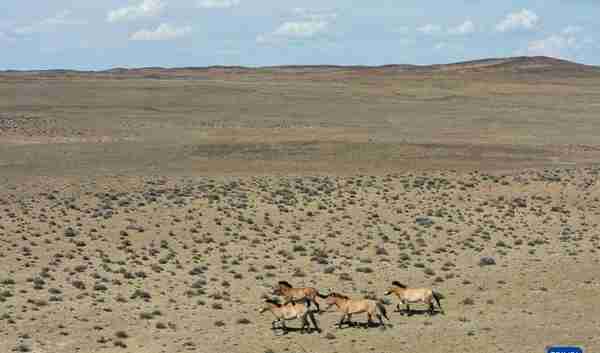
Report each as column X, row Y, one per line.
column 89, row 34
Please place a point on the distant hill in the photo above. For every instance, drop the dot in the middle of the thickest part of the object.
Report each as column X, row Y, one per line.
column 521, row 64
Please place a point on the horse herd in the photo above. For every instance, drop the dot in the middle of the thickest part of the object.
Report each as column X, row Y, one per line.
column 297, row 301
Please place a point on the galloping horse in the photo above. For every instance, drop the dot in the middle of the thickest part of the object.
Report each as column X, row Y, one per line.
column 349, row 307
column 291, row 311
column 416, row 295
column 291, row 294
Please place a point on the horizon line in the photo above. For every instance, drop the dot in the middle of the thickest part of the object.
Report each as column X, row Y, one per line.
column 340, row 66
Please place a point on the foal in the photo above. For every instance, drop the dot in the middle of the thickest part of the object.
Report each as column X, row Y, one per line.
column 349, row 307
column 291, row 294
column 415, row 295
column 291, row 311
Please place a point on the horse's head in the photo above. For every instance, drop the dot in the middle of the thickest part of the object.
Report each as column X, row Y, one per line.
column 334, row 298
column 271, row 303
column 284, row 284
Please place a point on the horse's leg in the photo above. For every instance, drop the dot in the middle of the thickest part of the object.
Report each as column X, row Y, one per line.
column 317, row 305
column 398, row 307
column 314, row 321
column 431, row 309
column 341, row 321
column 439, row 304
column 304, row 324
column 380, row 320
column 369, row 319
column 350, row 323
column 278, row 327
column 408, row 312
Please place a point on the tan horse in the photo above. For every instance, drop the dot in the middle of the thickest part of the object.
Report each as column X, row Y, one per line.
column 291, row 294
column 349, row 307
column 290, row 311
column 415, row 295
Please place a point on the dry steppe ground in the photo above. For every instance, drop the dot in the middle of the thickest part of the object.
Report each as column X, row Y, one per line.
column 153, row 210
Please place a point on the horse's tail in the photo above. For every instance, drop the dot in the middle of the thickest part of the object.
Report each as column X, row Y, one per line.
column 382, row 310
column 437, row 296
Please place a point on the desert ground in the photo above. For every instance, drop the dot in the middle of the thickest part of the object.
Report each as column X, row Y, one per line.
column 154, row 210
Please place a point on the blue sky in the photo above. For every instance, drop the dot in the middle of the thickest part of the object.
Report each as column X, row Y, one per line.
column 130, row 33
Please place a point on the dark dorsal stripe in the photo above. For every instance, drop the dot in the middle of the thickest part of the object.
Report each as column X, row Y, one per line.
column 398, row 284
column 338, row 295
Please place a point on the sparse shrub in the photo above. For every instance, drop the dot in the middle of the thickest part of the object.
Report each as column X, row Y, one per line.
column 381, row 251
column 468, row 301
column 364, row 270
column 345, row 277
column 7, row 282
column 329, row 269
column 199, row 284
column 146, row 316
column 299, row 248
column 100, row 287
column 22, row 348
column 121, row 334
column 138, row 293
column 244, row 321
column 487, row 261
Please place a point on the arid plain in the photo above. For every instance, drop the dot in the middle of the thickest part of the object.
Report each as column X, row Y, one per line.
column 153, row 210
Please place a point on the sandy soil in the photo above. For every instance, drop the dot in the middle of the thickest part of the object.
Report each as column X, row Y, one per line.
column 157, row 215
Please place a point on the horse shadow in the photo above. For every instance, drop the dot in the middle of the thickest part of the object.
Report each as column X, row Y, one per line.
column 364, row 325
column 412, row 312
column 288, row 329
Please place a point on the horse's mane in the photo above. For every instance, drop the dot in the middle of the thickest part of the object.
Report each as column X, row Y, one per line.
column 398, row 284
column 285, row 284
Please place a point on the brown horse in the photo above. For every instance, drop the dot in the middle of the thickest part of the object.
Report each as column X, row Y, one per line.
column 291, row 294
column 290, row 311
column 416, row 295
column 349, row 307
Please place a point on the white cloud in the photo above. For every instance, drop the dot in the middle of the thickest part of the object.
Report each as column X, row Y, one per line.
column 554, row 45
column 304, row 29
column 430, row 29
column 466, row 27
column 565, row 44
column 147, row 8
column 307, row 25
column 162, row 32
column 218, row 4
column 61, row 18
column 314, row 15
column 522, row 20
